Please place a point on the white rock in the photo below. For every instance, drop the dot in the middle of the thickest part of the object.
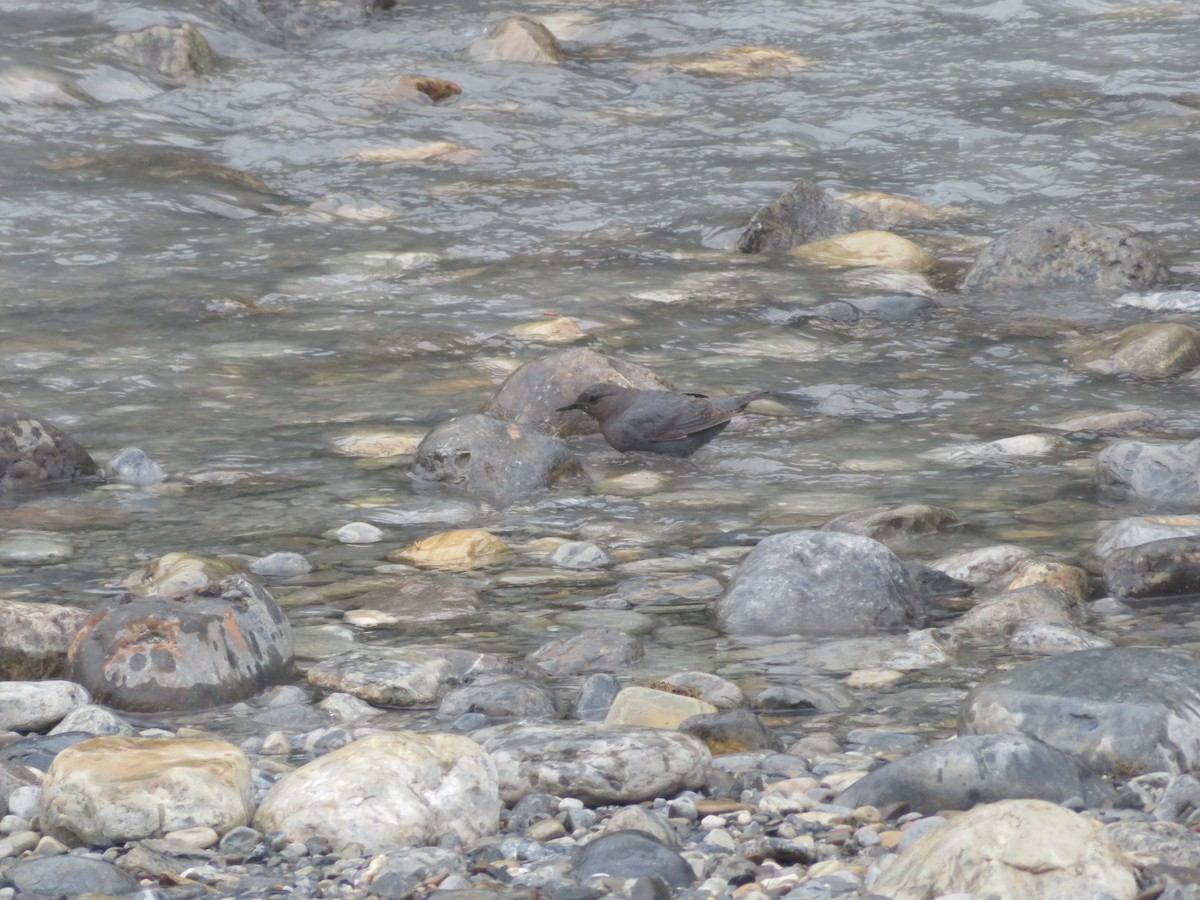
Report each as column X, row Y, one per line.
column 359, row 533
column 37, row 705
column 388, row 790
column 1030, row 849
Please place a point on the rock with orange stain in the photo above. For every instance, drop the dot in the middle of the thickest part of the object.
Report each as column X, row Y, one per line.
column 216, row 644
column 454, row 551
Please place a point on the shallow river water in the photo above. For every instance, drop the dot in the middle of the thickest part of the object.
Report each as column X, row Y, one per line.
column 152, row 296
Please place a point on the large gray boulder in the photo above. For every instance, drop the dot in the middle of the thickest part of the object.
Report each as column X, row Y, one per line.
column 500, row 462
column 1062, row 250
column 217, row 644
column 817, row 582
column 977, row 769
column 1167, row 472
column 1117, row 709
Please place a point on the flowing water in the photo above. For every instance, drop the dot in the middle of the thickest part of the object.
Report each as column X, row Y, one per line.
column 154, row 294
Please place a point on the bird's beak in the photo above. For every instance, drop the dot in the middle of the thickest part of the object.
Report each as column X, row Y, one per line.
column 574, row 405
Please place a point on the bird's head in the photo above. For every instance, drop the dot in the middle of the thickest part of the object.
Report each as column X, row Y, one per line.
column 595, row 399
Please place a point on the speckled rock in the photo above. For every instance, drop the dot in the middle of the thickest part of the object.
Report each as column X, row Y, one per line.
column 595, row 763
column 1064, row 250
column 33, row 452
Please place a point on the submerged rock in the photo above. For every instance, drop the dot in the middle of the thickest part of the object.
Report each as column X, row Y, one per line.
column 212, row 645
column 1147, row 350
column 519, row 39
column 33, row 452
column 174, row 51
column 1166, row 472
column 1120, row 709
column 815, row 582
column 1064, row 250
column 501, row 462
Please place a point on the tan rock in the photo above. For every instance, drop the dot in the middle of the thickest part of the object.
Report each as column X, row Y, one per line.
column 1148, row 350
column 454, row 551
column 412, row 86
column 518, row 39
column 741, row 62
column 108, row 790
column 177, row 573
column 890, row 210
column 447, row 151
column 1030, row 849
column 866, row 248
column 378, row 444
column 637, row 705
column 1071, row 580
column 1006, row 611
column 873, row 678
column 551, row 330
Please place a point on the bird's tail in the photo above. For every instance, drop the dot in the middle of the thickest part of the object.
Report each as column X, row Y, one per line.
column 747, row 399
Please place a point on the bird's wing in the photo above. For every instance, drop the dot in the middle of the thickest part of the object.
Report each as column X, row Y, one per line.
column 695, row 414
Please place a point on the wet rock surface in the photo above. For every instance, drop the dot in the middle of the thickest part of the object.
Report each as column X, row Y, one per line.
column 34, row 452
column 498, row 461
column 1061, row 249
column 215, row 644
column 819, row 582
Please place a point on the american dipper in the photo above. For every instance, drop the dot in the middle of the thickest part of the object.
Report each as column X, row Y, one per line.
column 659, row 421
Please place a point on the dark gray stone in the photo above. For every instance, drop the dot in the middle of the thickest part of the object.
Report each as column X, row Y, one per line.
column 1117, row 709
column 1164, row 568
column 500, row 696
column 816, row 582
column 33, row 452
column 731, row 731
column 217, row 644
column 500, row 462
column 1064, row 250
column 596, row 695
column 1165, row 472
column 38, row 750
column 632, row 854
column 977, row 769
column 240, row 842
column 802, row 213
column 68, row 876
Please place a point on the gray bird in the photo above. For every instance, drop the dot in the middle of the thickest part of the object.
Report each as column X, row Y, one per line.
column 659, row 421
